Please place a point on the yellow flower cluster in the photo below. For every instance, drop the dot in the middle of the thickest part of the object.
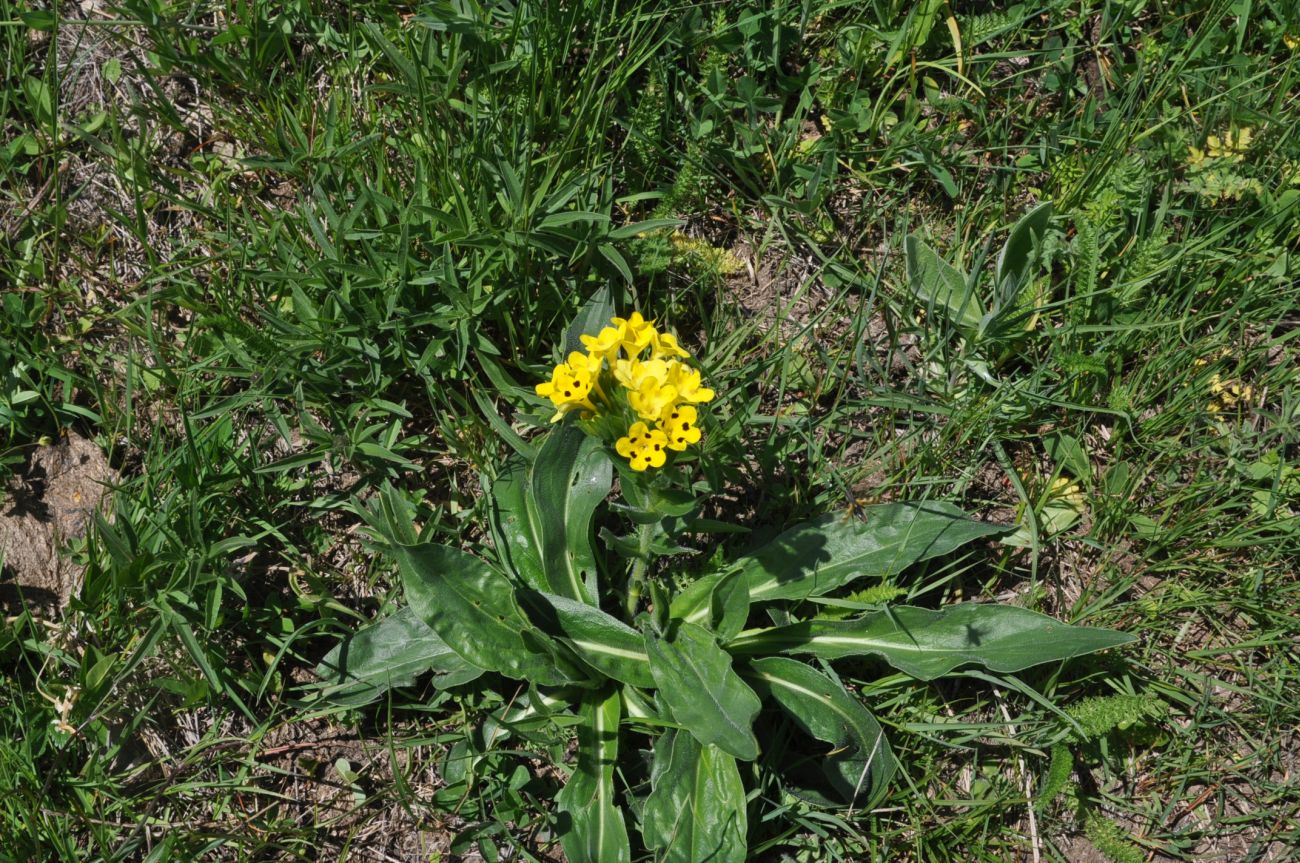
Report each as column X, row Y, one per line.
column 1227, row 395
column 655, row 385
column 1231, row 146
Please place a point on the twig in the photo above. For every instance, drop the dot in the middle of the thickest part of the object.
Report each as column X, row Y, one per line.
column 1028, row 783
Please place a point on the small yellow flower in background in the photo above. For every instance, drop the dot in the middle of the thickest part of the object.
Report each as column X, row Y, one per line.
column 1231, row 146
column 657, row 393
column 643, row 447
column 1292, row 42
column 1227, row 394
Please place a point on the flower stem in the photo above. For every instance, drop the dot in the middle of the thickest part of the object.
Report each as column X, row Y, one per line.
column 636, row 579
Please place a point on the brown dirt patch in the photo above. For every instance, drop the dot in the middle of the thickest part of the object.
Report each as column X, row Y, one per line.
column 51, row 502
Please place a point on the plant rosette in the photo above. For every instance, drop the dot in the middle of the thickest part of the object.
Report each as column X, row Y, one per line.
column 694, row 670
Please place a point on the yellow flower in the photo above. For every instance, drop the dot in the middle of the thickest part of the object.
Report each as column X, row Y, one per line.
column 638, row 333
column 643, row 447
column 665, row 345
column 606, row 344
column 680, row 427
column 652, row 401
column 570, row 385
column 1227, row 394
column 634, row 373
column 686, row 381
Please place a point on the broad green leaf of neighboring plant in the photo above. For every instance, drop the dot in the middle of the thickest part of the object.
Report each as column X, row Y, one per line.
column 860, row 764
column 541, row 521
column 595, row 832
column 594, row 315
column 392, row 652
column 940, row 285
column 604, row 642
column 927, row 644
column 696, row 807
column 472, row 608
column 701, row 690
column 828, row 552
column 1016, row 260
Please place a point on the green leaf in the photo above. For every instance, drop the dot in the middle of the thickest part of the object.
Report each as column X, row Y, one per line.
column 472, row 608
column 940, row 285
column 596, row 832
column 571, row 476
column 515, row 524
column 1017, row 255
column 821, row 555
column 606, row 643
column 696, row 807
column 702, row 691
column 927, row 644
column 719, row 601
column 391, row 652
column 729, row 604
column 594, row 315
column 860, row 763
column 541, row 519
column 695, row 603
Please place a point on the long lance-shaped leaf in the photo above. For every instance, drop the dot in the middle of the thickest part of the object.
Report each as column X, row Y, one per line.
column 702, row 691
column 821, row 555
column 928, row 644
column 595, row 832
column 516, row 526
column 570, row 478
column 696, row 807
column 472, row 608
column 392, row 652
column 860, row 764
column 604, row 642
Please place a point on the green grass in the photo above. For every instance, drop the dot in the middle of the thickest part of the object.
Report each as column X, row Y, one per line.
column 272, row 261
